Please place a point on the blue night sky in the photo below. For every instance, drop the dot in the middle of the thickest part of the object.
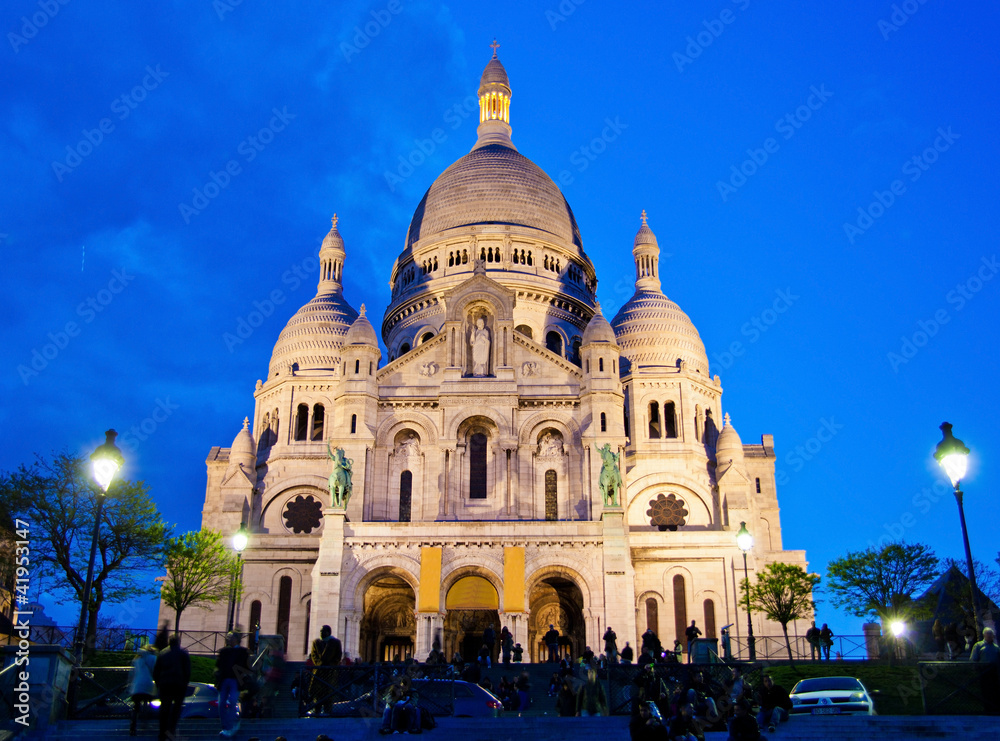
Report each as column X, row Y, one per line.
column 122, row 282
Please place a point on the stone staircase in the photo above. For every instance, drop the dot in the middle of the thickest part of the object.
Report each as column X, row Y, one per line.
column 511, row 728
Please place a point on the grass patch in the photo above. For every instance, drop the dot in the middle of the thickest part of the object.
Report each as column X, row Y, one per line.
column 202, row 667
column 898, row 686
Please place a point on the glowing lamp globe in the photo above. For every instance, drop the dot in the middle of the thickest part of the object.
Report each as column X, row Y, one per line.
column 898, row 627
column 744, row 540
column 952, row 455
column 240, row 539
column 107, row 461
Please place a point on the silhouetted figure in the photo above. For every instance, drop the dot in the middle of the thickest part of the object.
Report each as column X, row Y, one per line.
column 172, row 672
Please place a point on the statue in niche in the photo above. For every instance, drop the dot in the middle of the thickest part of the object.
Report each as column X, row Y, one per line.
column 479, row 343
column 610, row 481
column 550, row 444
column 408, row 445
column 340, row 478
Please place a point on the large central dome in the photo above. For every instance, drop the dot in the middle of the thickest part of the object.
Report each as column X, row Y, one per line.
column 494, row 184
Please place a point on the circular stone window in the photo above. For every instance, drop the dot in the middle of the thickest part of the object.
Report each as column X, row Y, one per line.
column 303, row 514
column 666, row 512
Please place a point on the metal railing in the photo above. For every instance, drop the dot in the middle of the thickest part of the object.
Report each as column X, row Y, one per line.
column 199, row 642
column 773, row 648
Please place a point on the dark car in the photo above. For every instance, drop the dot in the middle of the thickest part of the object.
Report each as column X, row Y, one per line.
column 201, row 701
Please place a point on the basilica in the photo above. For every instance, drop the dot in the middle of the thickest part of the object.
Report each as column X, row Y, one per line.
column 516, row 460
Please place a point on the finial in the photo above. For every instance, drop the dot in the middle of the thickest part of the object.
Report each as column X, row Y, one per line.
column 495, row 46
column 644, row 217
column 597, row 305
column 333, row 221
column 725, row 420
column 246, row 422
column 362, row 310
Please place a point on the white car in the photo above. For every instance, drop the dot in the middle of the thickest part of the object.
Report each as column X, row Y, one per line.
column 831, row 696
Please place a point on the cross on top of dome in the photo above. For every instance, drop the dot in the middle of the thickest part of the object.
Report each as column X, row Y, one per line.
column 495, row 46
column 333, row 221
column 644, row 217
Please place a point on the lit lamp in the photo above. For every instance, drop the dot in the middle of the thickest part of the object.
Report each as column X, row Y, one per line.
column 107, row 461
column 240, row 540
column 898, row 627
column 953, row 457
column 744, row 541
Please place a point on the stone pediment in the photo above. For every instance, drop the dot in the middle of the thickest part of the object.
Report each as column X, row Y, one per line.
column 729, row 474
column 533, row 360
column 422, row 364
column 236, row 476
column 479, row 287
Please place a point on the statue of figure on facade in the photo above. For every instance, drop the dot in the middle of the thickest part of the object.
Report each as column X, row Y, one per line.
column 610, row 482
column 340, row 478
column 408, row 445
column 479, row 341
column 550, row 444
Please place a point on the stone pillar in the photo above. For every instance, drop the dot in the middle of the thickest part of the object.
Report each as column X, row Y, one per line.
column 873, row 633
column 619, row 576
column 38, row 689
column 326, row 574
column 351, row 638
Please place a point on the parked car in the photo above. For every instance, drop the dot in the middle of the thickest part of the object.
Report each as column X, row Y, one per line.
column 201, row 701
column 831, row 696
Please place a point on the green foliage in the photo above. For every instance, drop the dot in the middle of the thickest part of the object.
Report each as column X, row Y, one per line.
column 201, row 570
column 202, row 667
column 881, row 582
column 59, row 500
column 783, row 592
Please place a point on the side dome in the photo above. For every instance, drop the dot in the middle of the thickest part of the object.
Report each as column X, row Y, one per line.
column 314, row 335
column 653, row 331
column 494, row 184
column 361, row 332
column 599, row 330
column 729, row 445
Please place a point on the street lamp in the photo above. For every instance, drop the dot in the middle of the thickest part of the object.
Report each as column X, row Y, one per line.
column 744, row 541
column 107, row 460
column 953, row 457
column 898, row 628
column 239, row 545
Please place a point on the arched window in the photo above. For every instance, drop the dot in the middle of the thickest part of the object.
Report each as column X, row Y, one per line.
column 284, row 606
column 758, row 485
column 551, row 495
column 575, row 355
column 357, row 367
column 600, row 365
column 370, row 364
column 553, row 342
column 477, row 466
column 669, row 419
column 301, row 421
column 709, row 619
column 318, row 415
column 525, row 330
column 680, row 610
column 697, row 423
column 652, row 615
column 426, row 337
column 604, row 422
column 404, row 348
column 254, row 615
column 654, row 421
column 405, row 495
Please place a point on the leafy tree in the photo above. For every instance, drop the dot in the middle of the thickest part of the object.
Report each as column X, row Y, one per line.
column 201, row 570
column 881, row 582
column 783, row 592
column 59, row 500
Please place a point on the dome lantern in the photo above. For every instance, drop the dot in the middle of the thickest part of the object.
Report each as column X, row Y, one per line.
column 646, row 253
column 494, row 104
column 331, row 261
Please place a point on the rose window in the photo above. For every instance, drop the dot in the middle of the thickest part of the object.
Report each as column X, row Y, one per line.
column 666, row 512
column 303, row 514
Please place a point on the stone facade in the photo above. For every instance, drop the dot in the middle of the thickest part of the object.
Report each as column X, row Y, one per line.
column 480, row 494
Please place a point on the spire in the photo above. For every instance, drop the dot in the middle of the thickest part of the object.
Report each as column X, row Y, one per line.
column 331, row 261
column 494, row 104
column 646, row 253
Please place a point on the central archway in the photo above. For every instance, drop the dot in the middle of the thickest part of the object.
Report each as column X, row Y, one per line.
column 472, row 605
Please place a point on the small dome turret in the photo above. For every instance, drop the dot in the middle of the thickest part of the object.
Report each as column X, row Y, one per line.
column 494, row 104
column 241, row 453
column 361, row 332
column 729, row 446
column 599, row 330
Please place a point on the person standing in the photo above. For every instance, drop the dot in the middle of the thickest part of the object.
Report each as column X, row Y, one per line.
column 551, row 639
column 140, row 687
column 727, row 643
column 611, row 646
column 691, row 633
column 627, row 654
column 987, row 653
column 171, row 673
column 813, row 636
column 506, row 644
column 826, row 640
column 232, row 665
column 489, row 639
column 326, row 653
column 591, row 699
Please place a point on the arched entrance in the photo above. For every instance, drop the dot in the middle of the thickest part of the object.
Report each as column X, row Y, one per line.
column 472, row 605
column 556, row 601
column 388, row 629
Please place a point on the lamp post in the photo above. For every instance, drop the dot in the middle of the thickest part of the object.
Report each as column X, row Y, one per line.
column 744, row 541
column 239, row 545
column 953, row 457
column 107, row 460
